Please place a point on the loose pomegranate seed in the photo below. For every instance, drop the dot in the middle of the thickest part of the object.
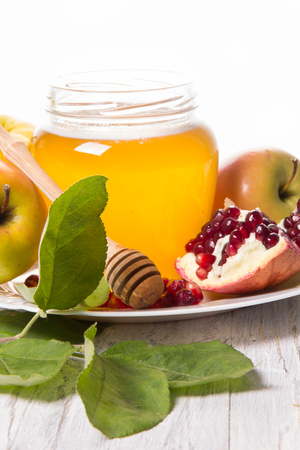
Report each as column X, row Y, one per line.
column 217, row 222
column 253, row 218
column 229, row 225
column 32, row 281
column 261, row 232
column 198, row 248
column 231, row 250
column 205, row 261
column 237, row 239
column 232, row 211
column 196, row 290
column 165, row 301
column 175, row 286
column 201, row 273
column 274, row 229
column 242, row 227
column 184, row 297
column 190, row 245
column 210, row 245
column 271, row 240
column 166, row 281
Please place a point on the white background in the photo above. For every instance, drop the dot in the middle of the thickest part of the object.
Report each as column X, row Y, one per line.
column 243, row 55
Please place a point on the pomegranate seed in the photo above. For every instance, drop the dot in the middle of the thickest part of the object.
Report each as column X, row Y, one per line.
column 266, row 221
column 200, row 237
column 190, row 245
column 207, row 230
column 196, row 290
column 295, row 218
column 201, row 273
column 218, row 212
column 242, row 227
column 210, row 245
column 274, row 229
column 198, row 248
column 218, row 235
column 231, row 250
column 32, row 281
column 296, row 240
column 287, row 222
column 166, row 281
column 261, row 232
column 233, row 212
column 175, row 286
column 217, row 222
column 236, row 238
column 271, row 240
column 165, row 301
column 253, row 218
column 229, row 225
column 205, row 261
column 291, row 232
column 184, row 297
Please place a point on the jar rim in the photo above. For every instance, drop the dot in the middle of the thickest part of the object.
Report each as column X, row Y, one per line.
column 161, row 80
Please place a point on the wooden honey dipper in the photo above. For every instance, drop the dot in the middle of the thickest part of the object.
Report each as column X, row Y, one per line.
column 132, row 276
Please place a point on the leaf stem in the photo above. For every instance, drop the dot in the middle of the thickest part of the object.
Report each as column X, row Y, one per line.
column 24, row 331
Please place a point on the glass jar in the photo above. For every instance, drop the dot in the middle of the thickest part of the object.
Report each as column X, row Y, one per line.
column 141, row 130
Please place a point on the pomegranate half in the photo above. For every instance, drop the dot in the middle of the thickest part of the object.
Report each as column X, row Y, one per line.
column 240, row 252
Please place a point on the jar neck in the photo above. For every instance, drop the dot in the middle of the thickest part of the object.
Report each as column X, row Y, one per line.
column 122, row 101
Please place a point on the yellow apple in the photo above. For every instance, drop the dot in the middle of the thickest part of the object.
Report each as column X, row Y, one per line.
column 19, row 129
column 23, row 214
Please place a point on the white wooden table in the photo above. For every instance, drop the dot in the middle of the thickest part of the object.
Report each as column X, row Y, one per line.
column 258, row 411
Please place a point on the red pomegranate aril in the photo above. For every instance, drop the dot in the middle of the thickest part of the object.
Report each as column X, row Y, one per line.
column 271, row 240
column 200, row 237
column 242, row 227
column 229, row 225
column 210, row 246
column 165, row 301
column 207, row 230
column 253, row 218
column 266, row 221
column 296, row 240
column 261, row 232
column 166, row 281
column 297, row 228
column 190, row 245
column 237, row 239
column 198, row 248
column 232, row 211
column 201, row 273
column 196, row 290
column 184, row 297
column 204, row 258
column 218, row 212
column 175, row 286
column 295, row 218
column 287, row 222
column 32, row 281
column 217, row 222
column 218, row 235
column 231, row 250
column 291, row 232
column 273, row 228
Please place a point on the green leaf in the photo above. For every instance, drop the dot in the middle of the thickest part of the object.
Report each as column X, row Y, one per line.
column 26, row 362
column 122, row 398
column 98, row 297
column 52, row 327
column 185, row 364
column 73, row 249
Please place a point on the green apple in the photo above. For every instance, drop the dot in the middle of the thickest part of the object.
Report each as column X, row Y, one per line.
column 19, row 129
column 23, row 213
column 264, row 178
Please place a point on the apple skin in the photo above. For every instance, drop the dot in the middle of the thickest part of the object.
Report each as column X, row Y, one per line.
column 254, row 179
column 19, row 129
column 21, row 224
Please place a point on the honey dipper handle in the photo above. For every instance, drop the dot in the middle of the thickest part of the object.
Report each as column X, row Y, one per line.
column 130, row 274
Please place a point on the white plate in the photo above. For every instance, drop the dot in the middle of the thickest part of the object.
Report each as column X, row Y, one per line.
column 212, row 304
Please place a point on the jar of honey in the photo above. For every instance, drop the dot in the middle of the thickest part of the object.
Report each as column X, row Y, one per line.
column 141, row 130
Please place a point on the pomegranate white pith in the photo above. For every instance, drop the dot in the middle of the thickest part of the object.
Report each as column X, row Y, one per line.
column 254, row 266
